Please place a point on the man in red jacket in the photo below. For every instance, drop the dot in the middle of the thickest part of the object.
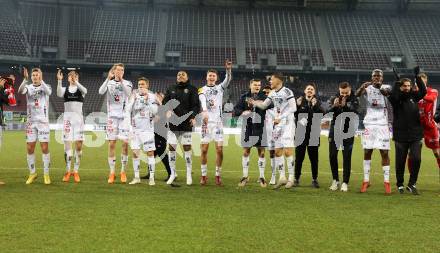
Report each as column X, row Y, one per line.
column 427, row 111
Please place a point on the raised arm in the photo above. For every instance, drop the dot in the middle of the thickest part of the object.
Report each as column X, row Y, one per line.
column 228, row 76
column 60, row 89
column 46, row 88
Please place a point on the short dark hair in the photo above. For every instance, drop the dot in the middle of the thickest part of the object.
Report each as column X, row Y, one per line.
column 212, row 71
column 344, row 85
column 278, row 75
column 267, row 87
column 144, row 79
column 254, row 80
column 311, row 84
column 403, row 80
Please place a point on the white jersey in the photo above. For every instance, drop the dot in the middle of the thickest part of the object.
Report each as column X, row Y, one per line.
column 117, row 96
column 142, row 110
column 377, row 112
column 37, row 98
column 212, row 98
column 282, row 108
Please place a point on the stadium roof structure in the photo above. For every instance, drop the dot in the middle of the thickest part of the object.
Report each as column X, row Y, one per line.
column 294, row 4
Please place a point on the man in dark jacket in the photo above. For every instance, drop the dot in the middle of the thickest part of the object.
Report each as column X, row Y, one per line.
column 307, row 106
column 252, row 130
column 344, row 102
column 407, row 128
column 181, row 121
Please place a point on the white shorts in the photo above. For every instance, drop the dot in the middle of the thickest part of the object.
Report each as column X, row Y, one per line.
column 73, row 130
column 116, row 130
column 376, row 137
column 40, row 131
column 144, row 140
column 213, row 132
column 283, row 136
column 179, row 137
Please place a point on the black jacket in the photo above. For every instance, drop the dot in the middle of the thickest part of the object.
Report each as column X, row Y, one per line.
column 307, row 107
column 406, row 123
column 352, row 105
column 3, row 101
column 252, row 128
column 188, row 98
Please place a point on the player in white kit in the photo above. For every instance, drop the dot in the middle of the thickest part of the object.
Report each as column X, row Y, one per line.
column 211, row 102
column 140, row 111
column 268, row 125
column 118, row 90
column 73, row 121
column 37, row 126
column 283, row 132
column 377, row 131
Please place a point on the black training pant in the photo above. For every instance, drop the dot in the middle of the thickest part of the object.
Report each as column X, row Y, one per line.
column 300, row 153
column 346, row 154
column 415, row 155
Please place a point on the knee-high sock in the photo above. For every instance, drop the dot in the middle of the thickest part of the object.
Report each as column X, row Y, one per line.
column 261, row 166
column 386, row 173
column 31, row 163
column 245, row 165
column 151, row 166
column 188, row 161
column 124, row 161
column 111, row 164
column 172, row 160
column 46, row 163
column 68, row 157
column 367, row 165
column 78, row 155
column 136, row 165
column 279, row 164
column 290, row 167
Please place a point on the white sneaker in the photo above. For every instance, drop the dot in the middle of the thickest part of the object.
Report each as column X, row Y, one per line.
column 171, row 179
column 344, row 187
column 273, row 180
column 334, row 186
column 151, row 182
column 189, row 179
column 281, row 181
column 289, row 184
column 135, row 180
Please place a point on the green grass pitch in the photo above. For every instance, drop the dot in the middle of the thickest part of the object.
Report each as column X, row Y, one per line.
column 96, row 217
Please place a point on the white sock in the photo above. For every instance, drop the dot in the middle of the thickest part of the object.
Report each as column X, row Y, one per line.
column 245, row 164
column 204, row 169
column 172, row 161
column 31, row 163
column 78, row 155
column 68, row 154
column 188, row 162
column 151, row 166
column 261, row 166
column 290, row 165
column 386, row 173
column 124, row 161
column 218, row 171
column 279, row 164
column 272, row 166
column 136, row 165
column 367, row 164
column 111, row 164
column 46, row 163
